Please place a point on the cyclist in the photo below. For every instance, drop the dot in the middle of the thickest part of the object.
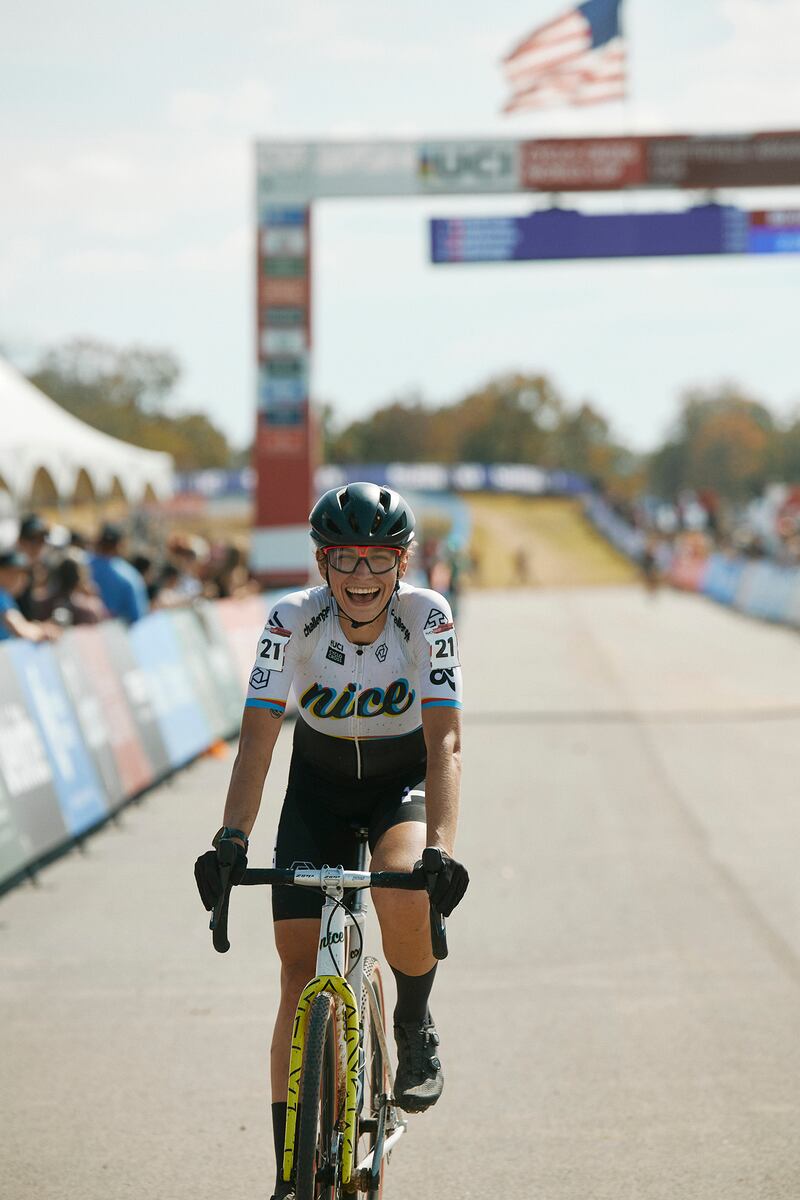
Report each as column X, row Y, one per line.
column 376, row 675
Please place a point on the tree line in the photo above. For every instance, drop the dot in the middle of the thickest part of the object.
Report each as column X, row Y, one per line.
column 720, row 439
column 126, row 392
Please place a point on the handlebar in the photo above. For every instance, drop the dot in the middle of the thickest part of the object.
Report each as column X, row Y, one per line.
column 409, row 881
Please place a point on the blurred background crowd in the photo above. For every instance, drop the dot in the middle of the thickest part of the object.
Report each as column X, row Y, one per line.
column 766, row 526
column 54, row 577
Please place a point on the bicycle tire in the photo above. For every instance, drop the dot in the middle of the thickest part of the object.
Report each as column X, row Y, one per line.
column 376, row 1075
column 316, row 1175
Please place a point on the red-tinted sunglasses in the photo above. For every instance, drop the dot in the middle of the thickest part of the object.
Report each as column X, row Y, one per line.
column 379, row 559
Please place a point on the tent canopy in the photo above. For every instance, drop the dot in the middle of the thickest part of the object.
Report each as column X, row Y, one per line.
column 37, row 435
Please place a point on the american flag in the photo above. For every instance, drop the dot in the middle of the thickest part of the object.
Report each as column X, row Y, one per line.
column 578, row 58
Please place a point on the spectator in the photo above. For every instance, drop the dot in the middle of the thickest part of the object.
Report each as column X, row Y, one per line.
column 183, row 553
column 121, row 587
column 229, row 575
column 147, row 568
column 31, row 543
column 13, row 578
column 168, row 593
column 72, row 598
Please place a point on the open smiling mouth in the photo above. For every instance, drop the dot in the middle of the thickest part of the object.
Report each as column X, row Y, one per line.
column 362, row 595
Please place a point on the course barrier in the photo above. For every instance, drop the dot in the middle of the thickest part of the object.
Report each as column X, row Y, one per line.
column 92, row 721
column 759, row 588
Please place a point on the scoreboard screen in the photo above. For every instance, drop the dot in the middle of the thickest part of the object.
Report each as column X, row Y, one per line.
column 558, row 233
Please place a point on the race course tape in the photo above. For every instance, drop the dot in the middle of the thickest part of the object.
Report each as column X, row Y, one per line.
column 90, row 722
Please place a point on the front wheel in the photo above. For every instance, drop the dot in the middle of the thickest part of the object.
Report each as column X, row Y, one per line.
column 317, row 1147
column 376, row 1074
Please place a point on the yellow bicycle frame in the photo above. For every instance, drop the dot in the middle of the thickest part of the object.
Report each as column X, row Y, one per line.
column 341, row 989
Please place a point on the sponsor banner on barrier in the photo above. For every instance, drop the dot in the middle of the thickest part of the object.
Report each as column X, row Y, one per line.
column 196, row 655
column 35, row 816
column 14, row 854
column 78, row 788
column 223, row 666
column 91, row 715
column 93, row 654
column 183, row 724
column 722, row 578
column 765, row 591
column 793, row 602
column 137, row 689
column 242, row 622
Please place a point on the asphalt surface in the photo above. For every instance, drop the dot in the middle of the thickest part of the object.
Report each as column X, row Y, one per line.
column 620, row 1013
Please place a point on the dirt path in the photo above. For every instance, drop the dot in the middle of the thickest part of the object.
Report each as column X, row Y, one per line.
column 541, row 543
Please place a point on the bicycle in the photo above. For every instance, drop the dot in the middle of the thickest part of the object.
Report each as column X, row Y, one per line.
column 339, row 1099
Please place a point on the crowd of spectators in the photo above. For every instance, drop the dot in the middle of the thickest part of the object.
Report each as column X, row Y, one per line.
column 54, row 577
column 765, row 527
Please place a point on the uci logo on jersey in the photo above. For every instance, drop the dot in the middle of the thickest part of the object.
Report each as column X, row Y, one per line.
column 326, row 702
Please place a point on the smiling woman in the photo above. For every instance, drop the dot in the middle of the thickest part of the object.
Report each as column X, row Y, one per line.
column 374, row 665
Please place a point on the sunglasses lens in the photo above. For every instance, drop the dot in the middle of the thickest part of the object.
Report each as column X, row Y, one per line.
column 346, row 558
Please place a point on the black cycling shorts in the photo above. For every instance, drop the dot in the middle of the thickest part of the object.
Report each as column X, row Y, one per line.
column 318, row 819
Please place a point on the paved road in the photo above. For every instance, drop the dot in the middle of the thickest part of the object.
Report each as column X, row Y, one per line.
column 621, row 1009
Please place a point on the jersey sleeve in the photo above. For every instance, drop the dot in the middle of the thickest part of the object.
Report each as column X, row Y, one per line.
column 434, row 648
column 277, row 655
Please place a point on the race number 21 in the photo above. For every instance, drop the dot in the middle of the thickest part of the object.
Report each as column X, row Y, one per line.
column 444, row 646
column 273, row 650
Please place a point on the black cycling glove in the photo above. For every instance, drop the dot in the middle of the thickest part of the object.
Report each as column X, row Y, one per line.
column 208, row 875
column 449, row 886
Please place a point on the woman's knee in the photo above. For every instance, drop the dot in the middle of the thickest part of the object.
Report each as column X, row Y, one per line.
column 402, row 914
column 296, row 943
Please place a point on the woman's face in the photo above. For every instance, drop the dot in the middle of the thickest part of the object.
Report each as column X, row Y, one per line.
column 362, row 594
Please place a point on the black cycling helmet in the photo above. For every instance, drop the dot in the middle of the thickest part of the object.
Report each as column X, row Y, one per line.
column 362, row 514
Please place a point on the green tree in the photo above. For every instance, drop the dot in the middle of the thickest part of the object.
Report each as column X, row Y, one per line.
column 126, row 392
column 722, row 439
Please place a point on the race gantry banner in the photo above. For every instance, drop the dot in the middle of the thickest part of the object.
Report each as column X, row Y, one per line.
column 283, row 450
column 300, row 172
column 560, row 233
column 291, row 175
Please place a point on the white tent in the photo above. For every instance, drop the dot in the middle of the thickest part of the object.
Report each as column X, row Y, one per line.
column 36, row 434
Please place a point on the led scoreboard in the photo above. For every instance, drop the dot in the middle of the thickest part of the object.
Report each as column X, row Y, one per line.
column 558, row 233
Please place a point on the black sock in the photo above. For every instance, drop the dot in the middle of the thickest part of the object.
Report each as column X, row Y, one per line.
column 278, row 1134
column 413, row 993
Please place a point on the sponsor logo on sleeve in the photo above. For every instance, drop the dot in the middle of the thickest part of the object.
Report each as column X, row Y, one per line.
column 435, row 618
column 401, row 626
column 440, row 678
column 259, row 679
column 309, row 628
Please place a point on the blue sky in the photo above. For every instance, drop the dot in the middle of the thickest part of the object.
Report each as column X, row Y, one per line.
column 126, row 210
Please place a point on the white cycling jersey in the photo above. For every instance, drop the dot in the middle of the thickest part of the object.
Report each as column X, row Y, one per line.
column 357, row 692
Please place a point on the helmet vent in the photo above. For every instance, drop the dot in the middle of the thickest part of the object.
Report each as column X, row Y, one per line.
column 399, row 525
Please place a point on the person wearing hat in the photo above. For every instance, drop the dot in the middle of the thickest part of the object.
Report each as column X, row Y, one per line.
column 13, row 579
column 121, row 587
column 374, row 666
